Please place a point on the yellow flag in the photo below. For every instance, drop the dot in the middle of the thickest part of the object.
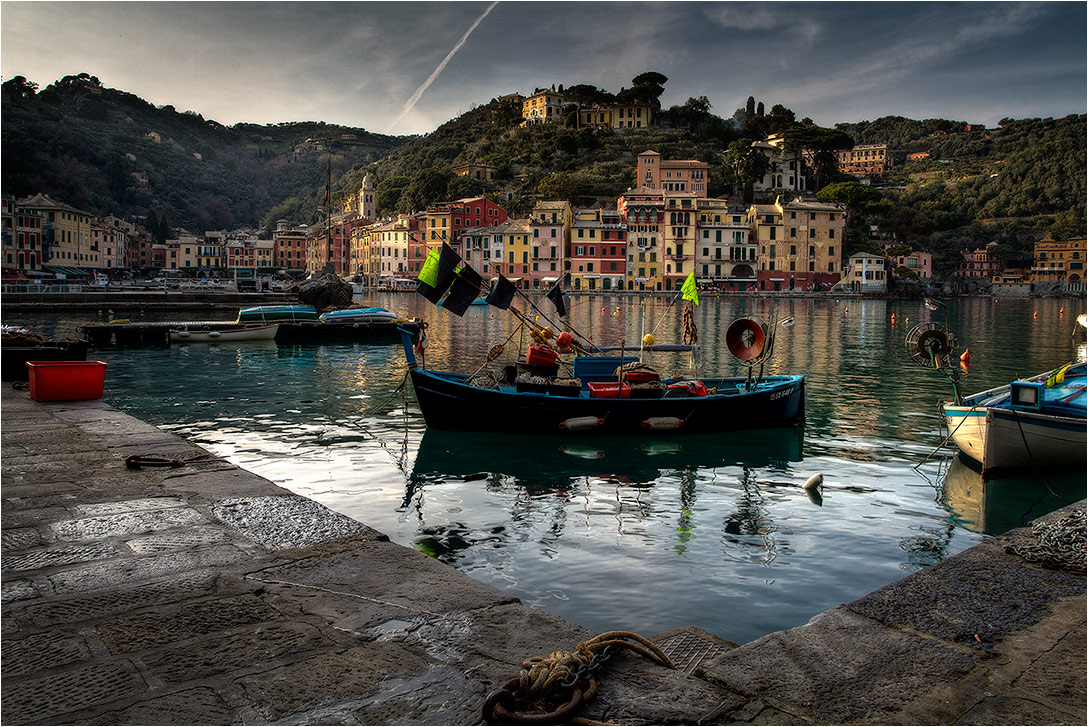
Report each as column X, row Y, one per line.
column 688, row 291
column 429, row 272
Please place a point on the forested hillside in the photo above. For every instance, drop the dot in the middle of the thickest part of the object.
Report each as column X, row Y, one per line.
column 111, row 152
column 108, row 151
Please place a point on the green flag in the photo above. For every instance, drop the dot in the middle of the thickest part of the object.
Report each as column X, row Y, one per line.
column 429, row 272
column 688, row 291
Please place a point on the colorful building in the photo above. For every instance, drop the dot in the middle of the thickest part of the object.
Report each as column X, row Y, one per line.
column 643, row 211
column 865, row 160
column 800, row 243
column 672, row 175
column 784, row 168
column 865, row 273
column 980, row 263
column 22, row 237
column 473, row 170
column 550, row 224
column 66, row 233
column 615, row 116
column 725, row 252
column 586, row 266
column 289, row 247
column 680, row 234
column 920, row 263
column 545, row 106
column 1058, row 260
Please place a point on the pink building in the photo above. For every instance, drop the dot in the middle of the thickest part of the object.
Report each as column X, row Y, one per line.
column 918, row 262
column 980, row 264
column 684, row 175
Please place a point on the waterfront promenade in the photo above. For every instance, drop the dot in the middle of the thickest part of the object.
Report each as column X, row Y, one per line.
column 203, row 594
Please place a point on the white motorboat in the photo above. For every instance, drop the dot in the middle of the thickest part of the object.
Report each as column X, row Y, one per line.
column 224, row 335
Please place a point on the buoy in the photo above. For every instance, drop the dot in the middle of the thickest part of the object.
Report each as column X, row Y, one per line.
column 581, row 424
column 1061, row 312
column 814, row 483
column 141, row 314
column 1035, row 315
column 966, row 356
column 893, row 318
column 648, row 339
column 847, row 309
column 563, row 340
column 906, row 320
column 662, row 424
column 99, row 312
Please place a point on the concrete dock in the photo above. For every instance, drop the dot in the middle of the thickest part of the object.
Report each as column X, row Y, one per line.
column 204, row 594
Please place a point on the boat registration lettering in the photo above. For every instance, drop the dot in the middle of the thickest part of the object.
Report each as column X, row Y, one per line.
column 785, row 392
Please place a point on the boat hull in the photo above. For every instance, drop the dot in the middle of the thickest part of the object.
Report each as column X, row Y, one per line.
column 256, row 333
column 1001, row 438
column 448, row 403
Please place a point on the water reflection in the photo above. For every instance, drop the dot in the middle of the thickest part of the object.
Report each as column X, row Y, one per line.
column 999, row 504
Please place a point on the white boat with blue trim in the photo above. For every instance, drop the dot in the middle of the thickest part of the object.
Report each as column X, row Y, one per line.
column 1037, row 422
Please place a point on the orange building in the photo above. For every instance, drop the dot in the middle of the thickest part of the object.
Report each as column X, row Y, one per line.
column 685, row 175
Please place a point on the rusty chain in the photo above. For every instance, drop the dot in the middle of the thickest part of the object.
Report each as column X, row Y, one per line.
column 1059, row 543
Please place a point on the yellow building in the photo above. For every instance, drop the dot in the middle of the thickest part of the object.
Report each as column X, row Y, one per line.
column 472, row 170
column 615, row 116
column 680, row 233
column 512, row 258
column 800, row 243
column 1058, row 260
column 543, row 107
column 437, row 225
column 66, row 233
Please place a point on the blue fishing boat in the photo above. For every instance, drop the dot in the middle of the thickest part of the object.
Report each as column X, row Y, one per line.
column 609, row 394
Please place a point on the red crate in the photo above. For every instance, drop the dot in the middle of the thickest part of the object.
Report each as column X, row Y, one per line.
column 608, row 390
column 66, row 380
column 541, row 355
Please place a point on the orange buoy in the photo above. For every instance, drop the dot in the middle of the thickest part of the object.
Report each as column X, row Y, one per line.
column 1035, row 315
column 893, row 318
column 966, row 356
column 1061, row 312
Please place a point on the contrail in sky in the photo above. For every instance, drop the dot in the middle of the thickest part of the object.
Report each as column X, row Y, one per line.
column 445, row 61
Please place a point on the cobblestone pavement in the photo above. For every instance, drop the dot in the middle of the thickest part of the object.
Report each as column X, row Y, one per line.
column 204, row 594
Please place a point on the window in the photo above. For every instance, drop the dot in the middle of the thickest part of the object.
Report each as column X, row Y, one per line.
column 831, row 234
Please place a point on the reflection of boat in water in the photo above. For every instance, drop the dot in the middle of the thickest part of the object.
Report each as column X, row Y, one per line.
column 997, row 504
column 224, row 335
column 1039, row 422
column 554, row 460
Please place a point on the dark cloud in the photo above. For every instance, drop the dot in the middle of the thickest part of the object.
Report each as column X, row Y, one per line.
column 358, row 63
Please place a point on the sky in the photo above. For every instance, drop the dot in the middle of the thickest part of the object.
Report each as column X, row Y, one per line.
column 407, row 67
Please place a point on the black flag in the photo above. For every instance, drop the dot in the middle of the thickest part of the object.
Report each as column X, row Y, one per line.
column 465, row 289
column 447, row 263
column 555, row 295
column 502, row 293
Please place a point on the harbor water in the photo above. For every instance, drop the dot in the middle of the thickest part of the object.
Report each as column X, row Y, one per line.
column 712, row 531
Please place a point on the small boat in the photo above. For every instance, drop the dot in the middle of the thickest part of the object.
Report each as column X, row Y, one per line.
column 359, row 315
column 609, row 394
column 1036, row 422
column 224, row 335
column 277, row 314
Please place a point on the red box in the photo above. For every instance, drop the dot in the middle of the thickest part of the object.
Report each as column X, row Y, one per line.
column 541, row 355
column 66, row 380
column 641, row 377
column 608, row 390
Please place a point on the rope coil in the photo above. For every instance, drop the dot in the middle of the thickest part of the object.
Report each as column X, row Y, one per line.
column 554, row 688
